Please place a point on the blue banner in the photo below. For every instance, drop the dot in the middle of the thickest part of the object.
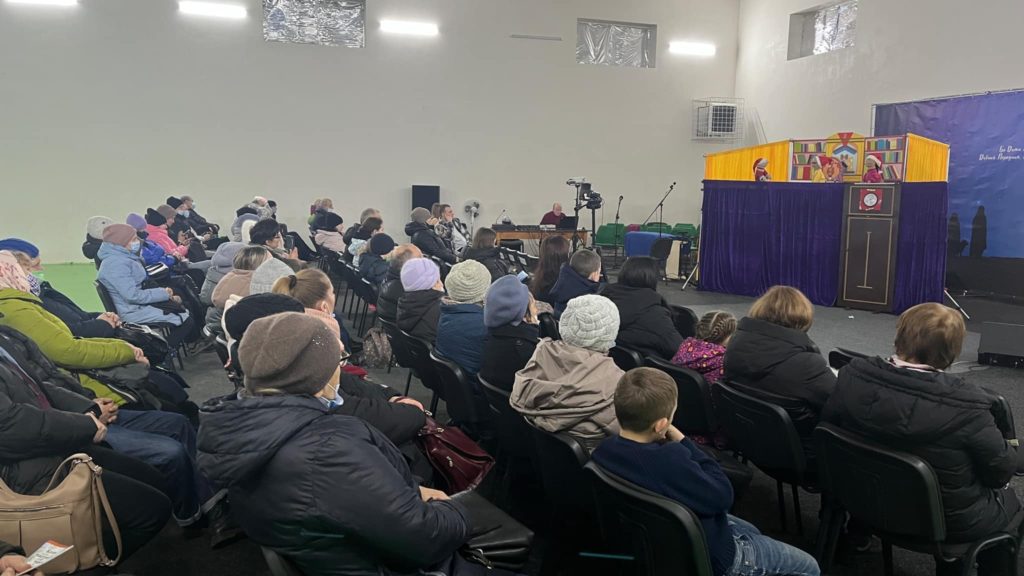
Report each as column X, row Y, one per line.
column 986, row 170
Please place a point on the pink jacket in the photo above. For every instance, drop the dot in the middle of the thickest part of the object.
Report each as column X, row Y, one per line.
column 703, row 357
column 158, row 234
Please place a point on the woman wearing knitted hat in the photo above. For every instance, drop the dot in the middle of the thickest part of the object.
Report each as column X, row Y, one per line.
column 329, row 227
column 460, row 328
column 157, row 222
column 569, row 384
column 152, row 254
column 510, row 315
column 332, row 478
column 420, row 307
column 94, row 237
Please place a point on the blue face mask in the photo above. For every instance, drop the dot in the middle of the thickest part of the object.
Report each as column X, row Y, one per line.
column 332, row 403
column 184, row 213
column 135, row 246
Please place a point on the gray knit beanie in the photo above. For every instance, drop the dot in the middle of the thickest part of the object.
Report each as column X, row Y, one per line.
column 94, row 228
column 290, row 352
column 467, row 282
column 266, row 274
column 590, row 322
column 420, row 215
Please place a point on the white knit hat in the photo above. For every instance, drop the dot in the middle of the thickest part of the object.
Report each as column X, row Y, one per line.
column 467, row 282
column 95, row 226
column 266, row 274
column 590, row 322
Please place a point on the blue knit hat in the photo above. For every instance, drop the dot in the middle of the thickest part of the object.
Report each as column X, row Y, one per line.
column 506, row 302
column 19, row 245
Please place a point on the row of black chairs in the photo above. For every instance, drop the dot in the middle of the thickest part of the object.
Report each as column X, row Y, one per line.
column 164, row 328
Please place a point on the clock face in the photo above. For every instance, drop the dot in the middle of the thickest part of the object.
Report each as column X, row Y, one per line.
column 870, row 199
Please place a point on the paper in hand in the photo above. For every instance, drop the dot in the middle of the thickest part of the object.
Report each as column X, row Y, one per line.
column 48, row 551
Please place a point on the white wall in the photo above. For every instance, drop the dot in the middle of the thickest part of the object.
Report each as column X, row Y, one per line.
column 113, row 105
column 905, row 50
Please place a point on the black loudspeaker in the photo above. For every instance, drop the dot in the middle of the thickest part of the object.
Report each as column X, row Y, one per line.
column 1002, row 344
column 425, row 196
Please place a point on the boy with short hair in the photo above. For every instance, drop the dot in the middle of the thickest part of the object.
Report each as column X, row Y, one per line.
column 581, row 276
column 653, row 454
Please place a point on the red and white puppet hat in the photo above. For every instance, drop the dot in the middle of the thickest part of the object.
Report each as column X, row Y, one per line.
column 760, row 163
column 873, row 161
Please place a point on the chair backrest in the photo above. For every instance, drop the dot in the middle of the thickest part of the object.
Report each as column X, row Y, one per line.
column 685, row 321
column 560, row 459
column 625, row 358
column 549, row 326
column 456, row 390
column 105, row 298
column 367, row 291
column 512, row 429
column 841, row 357
column 695, row 413
column 279, row 565
column 421, row 364
column 763, row 432
column 664, row 537
column 892, row 493
column 661, row 248
column 397, row 342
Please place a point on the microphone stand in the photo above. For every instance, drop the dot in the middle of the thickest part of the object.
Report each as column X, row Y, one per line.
column 660, row 210
column 615, row 260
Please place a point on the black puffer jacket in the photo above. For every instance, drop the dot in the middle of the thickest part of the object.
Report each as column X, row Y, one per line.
column 645, row 321
column 82, row 324
column 390, row 291
column 507, row 349
column 41, row 423
column 568, row 286
column 344, row 500
column 200, row 224
column 943, row 420
column 91, row 248
column 429, row 242
column 783, row 362
column 419, row 313
column 489, row 258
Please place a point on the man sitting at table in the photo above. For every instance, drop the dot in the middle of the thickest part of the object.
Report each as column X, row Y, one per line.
column 553, row 218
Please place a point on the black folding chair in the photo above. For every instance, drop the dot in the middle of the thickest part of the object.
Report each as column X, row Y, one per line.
column 462, row 402
column 548, row 326
column 695, row 413
column 663, row 537
column 660, row 250
column 685, row 321
column 164, row 328
column 625, row 358
column 764, row 434
column 893, row 494
column 105, row 298
column 841, row 357
column 423, row 367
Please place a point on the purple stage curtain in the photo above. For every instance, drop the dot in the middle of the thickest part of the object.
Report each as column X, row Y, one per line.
column 756, row 235
column 921, row 248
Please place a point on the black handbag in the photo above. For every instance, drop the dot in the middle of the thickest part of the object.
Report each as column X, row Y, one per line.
column 153, row 345
column 498, row 540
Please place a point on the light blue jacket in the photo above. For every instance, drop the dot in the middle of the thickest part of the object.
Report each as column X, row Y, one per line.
column 122, row 273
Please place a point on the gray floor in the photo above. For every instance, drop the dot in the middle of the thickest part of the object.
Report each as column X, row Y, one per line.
column 862, row 331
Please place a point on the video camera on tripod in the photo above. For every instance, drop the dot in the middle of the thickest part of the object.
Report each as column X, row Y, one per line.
column 586, row 196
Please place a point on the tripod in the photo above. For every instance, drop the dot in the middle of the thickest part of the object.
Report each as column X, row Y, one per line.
column 660, row 210
column 615, row 258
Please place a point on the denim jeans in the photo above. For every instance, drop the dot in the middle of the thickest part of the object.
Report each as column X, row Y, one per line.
column 759, row 555
column 167, row 442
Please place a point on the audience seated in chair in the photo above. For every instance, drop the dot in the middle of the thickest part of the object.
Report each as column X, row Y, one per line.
column 581, row 276
column 371, row 227
column 419, row 308
column 647, row 324
column 651, row 453
column 328, row 227
column 391, row 289
column 909, row 402
column 237, row 282
column 345, row 501
column 314, row 290
column 157, row 223
column 152, row 254
column 94, row 237
column 352, row 230
column 568, row 385
column 460, row 329
column 198, row 223
column 242, row 215
column 269, row 234
column 373, row 265
column 772, row 352
column 222, row 264
column 421, row 230
column 485, row 251
column 554, row 252
column 510, row 315
column 705, row 353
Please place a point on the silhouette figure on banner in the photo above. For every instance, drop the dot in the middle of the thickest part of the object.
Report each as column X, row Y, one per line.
column 979, row 233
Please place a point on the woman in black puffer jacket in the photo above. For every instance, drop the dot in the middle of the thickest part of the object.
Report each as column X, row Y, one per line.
column 647, row 324
column 908, row 403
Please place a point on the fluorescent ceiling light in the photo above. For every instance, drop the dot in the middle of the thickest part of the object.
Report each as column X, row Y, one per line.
column 692, row 48
column 45, row 2
column 212, row 9
column 414, row 28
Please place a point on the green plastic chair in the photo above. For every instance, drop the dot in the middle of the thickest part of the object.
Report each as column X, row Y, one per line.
column 606, row 237
column 657, row 227
column 688, row 230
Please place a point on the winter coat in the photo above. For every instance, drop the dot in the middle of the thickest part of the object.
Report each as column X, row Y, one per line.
column 373, row 268
column 645, row 321
column 489, row 258
column 200, row 224
column 236, row 282
column 460, row 335
column 355, row 249
column 345, row 502
column 507, row 349
column 40, row 425
column 122, row 274
column 350, row 233
column 153, row 254
column 568, row 286
column 782, row 362
column 391, row 290
column 82, row 324
column 24, row 312
column 943, row 420
column 567, row 389
column 91, row 248
column 419, row 313
column 236, row 226
column 706, row 358
column 221, row 264
column 160, row 236
column 331, row 240
column 371, row 402
column 429, row 242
